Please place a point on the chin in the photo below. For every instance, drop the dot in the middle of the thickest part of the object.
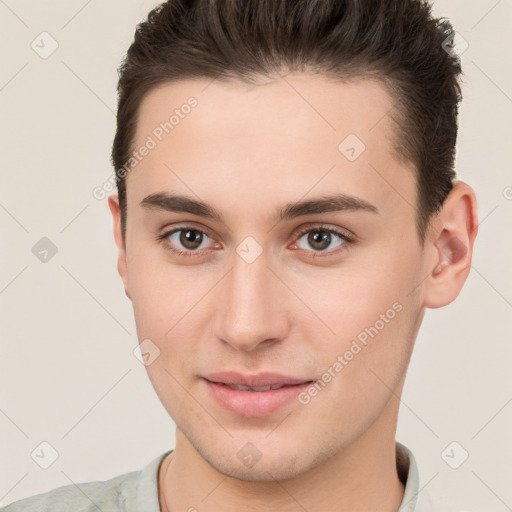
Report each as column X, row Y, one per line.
column 263, row 471
column 264, row 461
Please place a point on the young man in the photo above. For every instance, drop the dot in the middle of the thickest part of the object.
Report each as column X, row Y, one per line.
column 287, row 209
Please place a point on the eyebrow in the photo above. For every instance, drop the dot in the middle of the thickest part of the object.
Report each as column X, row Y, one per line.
column 325, row 204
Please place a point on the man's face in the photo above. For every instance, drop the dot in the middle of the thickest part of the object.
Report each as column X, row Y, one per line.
column 258, row 293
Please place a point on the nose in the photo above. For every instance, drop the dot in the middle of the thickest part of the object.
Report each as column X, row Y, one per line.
column 251, row 309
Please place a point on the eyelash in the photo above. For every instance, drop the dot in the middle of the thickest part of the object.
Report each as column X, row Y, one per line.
column 347, row 239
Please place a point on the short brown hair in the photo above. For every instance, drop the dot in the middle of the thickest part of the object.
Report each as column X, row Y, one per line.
column 398, row 42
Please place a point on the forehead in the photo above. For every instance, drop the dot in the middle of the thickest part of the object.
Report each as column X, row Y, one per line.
column 286, row 134
column 304, row 105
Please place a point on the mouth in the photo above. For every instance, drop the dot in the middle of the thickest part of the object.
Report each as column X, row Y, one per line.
column 260, row 380
column 254, row 395
column 240, row 387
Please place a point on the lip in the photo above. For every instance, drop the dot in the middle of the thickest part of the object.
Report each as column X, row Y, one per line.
column 260, row 379
column 254, row 403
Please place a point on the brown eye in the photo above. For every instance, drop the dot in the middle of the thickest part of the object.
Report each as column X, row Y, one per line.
column 321, row 239
column 190, row 238
column 185, row 241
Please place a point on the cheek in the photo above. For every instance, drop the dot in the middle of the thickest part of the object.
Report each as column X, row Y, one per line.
column 369, row 331
column 349, row 299
column 365, row 312
column 169, row 303
column 364, row 360
column 161, row 293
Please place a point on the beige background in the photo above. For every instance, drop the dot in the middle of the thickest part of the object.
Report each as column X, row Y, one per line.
column 68, row 375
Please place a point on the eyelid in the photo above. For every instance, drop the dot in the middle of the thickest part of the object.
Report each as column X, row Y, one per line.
column 348, row 239
column 343, row 233
column 166, row 233
column 170, row 229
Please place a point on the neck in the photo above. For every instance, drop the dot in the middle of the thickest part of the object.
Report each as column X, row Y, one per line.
column 360, row 478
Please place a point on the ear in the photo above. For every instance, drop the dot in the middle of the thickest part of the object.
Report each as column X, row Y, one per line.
column 451, row 246
column 115, row 209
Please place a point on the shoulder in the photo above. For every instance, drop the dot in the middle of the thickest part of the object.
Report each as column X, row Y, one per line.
column 107, row 496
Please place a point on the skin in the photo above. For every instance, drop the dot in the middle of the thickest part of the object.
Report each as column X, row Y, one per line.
column 246, row 151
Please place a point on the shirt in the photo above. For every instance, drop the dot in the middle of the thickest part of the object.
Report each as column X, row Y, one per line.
column 137, row 491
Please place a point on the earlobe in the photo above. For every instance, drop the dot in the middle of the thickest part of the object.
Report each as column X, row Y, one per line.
column 452, row 247
column 115, row 209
